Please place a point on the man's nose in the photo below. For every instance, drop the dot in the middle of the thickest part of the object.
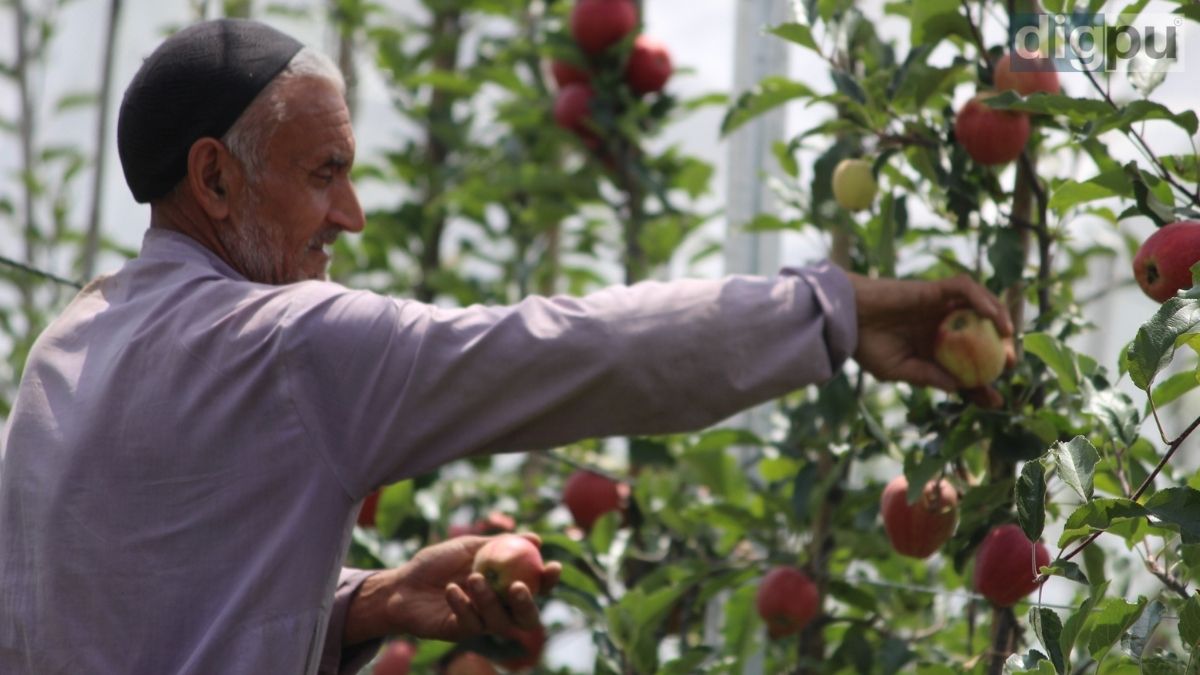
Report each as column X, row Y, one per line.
column 346, row 212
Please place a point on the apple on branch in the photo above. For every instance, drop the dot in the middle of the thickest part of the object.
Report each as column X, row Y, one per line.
column 854, row 185
column 1007, row 564
column 649, row 65
column 787, row 600
column 991, row 136
column 969, row 348
column 568, row 73
column 917, row 530
column 588, row 495
column 597, row 25
column 1163, row 263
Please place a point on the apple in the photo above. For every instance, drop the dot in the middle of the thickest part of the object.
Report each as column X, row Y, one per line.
column 854, row 185
column 649, row 65
column 507, row 559
column 991, row 136
column 589, row 495
column 495, row 523
column 469, row 663
column 396, row 659
column 532, row 643
column 1032, row 75
column 917, row 530
column 366, row 513
column 572, row 109
column 969, row 348
column 600, row 24
column 787, row 600
column 1163, row 264
column 1005, row 565
column 566, row 73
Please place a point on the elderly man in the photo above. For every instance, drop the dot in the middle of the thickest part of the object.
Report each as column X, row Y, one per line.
column 192, row 437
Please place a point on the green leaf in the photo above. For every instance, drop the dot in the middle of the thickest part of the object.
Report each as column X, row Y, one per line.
column 1173, row 388
column 1048, row 628
column 1075, row 622
column 1099, row 514
column 1057, row 356
column 1031, row 499
column 1141, row 111
column 1156, row 340
column 770, row 93
column 933, row 20
column 1076, row 460
column 1073, row 193
column 1067, row 570
column 1111, row 619
column 1179, row 509
column 796, row 33
column 1134, row 641
column 1189, row 622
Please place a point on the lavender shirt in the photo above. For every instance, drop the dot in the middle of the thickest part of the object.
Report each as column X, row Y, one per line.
column 181, row 468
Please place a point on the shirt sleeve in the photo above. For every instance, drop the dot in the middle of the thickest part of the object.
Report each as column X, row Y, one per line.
column 390, row 388
column 336, row 659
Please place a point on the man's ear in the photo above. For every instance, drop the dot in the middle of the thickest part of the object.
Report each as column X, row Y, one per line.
column 211, row 172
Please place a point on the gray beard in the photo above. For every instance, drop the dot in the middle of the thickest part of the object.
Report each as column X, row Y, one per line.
column 251, row 249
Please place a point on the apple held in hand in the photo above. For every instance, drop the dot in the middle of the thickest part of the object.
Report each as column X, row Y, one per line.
column 649, row 65
column 469, row 663
column 589, row 495
column 917, row 530
column 969, row 348
column 990, row 136
column 1163, row 264
column 1030, row 75
column 600, row 24
column 854, row 185
column 1006, row 565
column 787, row 600
column 396, row 659
column 507, row 559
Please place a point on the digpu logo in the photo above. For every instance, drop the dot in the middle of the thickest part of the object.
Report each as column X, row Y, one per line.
column 1097, row 42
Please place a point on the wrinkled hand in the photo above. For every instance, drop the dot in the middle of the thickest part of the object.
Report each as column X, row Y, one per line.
column 898, row 322
column 436, row 596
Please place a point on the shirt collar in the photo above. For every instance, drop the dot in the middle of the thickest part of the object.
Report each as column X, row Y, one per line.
column 163, row 244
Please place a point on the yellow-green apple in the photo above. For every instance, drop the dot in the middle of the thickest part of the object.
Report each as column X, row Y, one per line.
column 567, row 73
column 532, row 643
column 854, row 185
column 507, row 559
column 1030, row 75
column 969, row 348
column 600, row 24
column 1007, row 564
column 589, row 495
column 396, row 659
column 649, row 65
column 919, row 529
column 988, row 135
column 1163, row 263
column 469, row 663
column 366, row 513
column 787, row 600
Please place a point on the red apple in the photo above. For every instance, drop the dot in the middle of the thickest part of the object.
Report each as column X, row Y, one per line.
column 1031, row 75
column 566, row 73
column 495, row 523
column 600, row 24
column 1005, row 565
column 572, row 110
column 366, row 513
column 396, row 659
column 991, row 136
column 532, row 643
column 787, row 600
column 469, row 663
column 969, row 348
column 1163, row 264
column 507, row 559
column 917, row 530
column 589, row 495
column 649, row 65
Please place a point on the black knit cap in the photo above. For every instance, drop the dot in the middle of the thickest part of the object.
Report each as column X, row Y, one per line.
column 195, row 85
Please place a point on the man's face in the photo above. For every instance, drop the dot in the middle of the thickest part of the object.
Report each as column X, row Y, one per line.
column 302, row 198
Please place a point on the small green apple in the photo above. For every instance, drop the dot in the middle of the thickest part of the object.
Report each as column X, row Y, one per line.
column 854, row 185
column 969, row 348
